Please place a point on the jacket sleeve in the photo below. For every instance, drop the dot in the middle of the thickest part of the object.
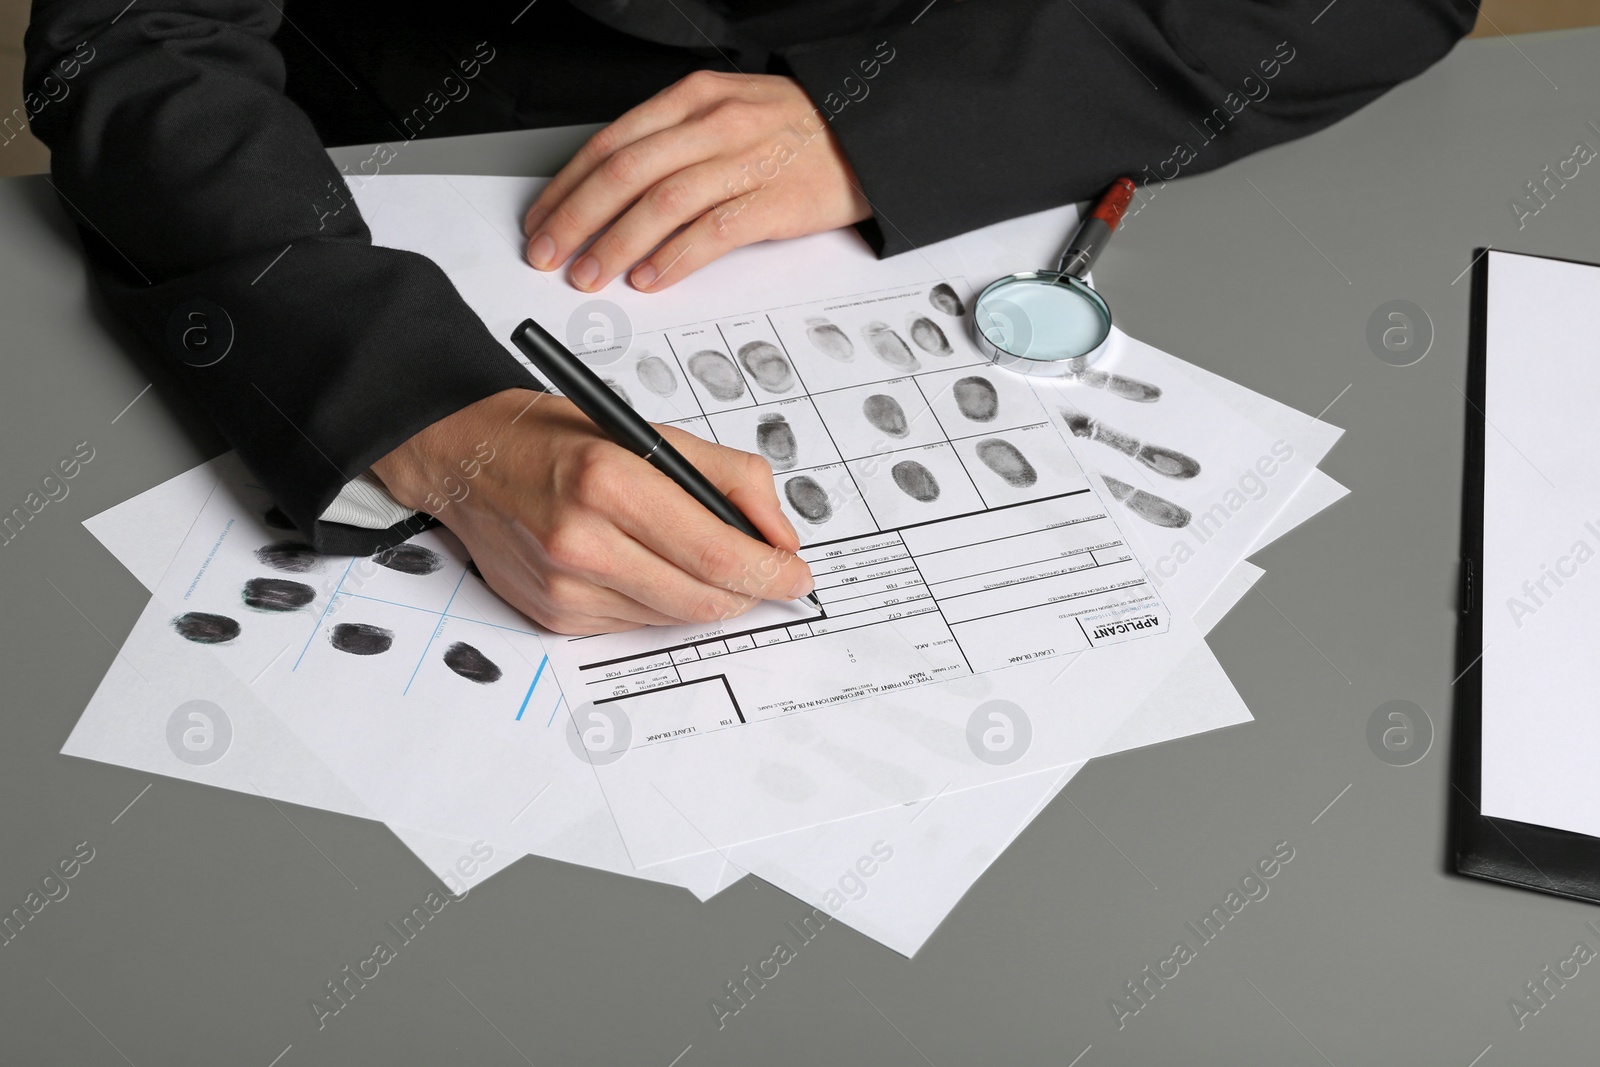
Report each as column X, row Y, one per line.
column 216, row 226
column 983, row 110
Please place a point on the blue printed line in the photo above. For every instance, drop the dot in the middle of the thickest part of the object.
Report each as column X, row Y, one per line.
column 326, row 608
column 442, row 615
column 559, row 699
column 529, row 695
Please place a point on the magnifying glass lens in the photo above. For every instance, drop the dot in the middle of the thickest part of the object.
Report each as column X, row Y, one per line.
column 1043, row 318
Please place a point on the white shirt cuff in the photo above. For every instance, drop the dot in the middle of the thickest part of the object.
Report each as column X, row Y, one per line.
column 364, row 502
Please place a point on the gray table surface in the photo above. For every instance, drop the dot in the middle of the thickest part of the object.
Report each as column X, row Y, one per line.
column 208, row 919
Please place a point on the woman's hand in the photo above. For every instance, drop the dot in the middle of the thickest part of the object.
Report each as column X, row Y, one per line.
column 714, row 162
column 585, row 537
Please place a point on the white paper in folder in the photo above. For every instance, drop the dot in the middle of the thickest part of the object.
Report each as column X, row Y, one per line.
column 1541, row 537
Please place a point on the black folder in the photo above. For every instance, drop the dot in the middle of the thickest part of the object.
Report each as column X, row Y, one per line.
column 1513, row 853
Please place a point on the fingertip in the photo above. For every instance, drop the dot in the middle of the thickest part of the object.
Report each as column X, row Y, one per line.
column 643, row 276
column 530, row 224
column 803, row 585
column 542, row 252
column 586, row 273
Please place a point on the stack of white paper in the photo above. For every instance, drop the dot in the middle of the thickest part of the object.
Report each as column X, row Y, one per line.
column 1015, row 577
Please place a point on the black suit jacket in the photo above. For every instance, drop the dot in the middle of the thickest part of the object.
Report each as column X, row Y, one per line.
column 202, row 192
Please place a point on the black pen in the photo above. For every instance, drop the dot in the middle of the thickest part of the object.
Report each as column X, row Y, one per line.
column 623, row 425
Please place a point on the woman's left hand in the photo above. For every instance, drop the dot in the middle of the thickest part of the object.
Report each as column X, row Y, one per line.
column 711, row 163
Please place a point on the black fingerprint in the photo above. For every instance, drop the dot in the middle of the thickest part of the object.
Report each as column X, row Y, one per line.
column 1168, row 461
column 768, row 366
column 277, row 594
column 296, row 557
column 928, row 337
column 977, row 399
column 657, row 375
column 915, row 480
column 775, row 440
column 1162, row 460
column 277, row 520
column 1006, row 460
column 361, row 638
column 1118, row 385
column 830, row 340
column 885, row 412
column 409, row 559
column 1079, row 423
column 887, row 346
column 717, row 373
column 611, row 383
column 204, row 628
column 945, row 299
column 471, row 664
column 1148, row 506
column 809, row 500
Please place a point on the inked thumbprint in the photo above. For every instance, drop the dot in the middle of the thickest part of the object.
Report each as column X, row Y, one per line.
column 828, row 339
column 657, row 375
column 809, row 500
column 611, row 384
column 928, row 337
column 409, row 559
column 886, row 414
column 361, row 638
column 945, row 299
column 775, row 440
column 296, row 557
column 277, row 594
column 768, row 366
column 1148, row 506
column 887, row 346
column 915, row 480
column 204, row 628
column 471, row 664
column 976, row 398
column 717, row 373
column 1007, row 460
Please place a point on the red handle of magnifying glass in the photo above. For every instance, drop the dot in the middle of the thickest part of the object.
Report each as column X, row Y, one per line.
column 1096, row 230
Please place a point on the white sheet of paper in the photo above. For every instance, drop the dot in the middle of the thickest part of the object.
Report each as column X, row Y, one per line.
column 943, row 847
column 939, row 847
column 1541, row 531
column 1198, row 497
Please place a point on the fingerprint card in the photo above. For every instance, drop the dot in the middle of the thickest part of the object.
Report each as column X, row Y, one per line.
column 971, row 402
column 869, row 420
column 757, row 351
column 1011, row 466
column 915, row 486
column 876, row 337
column 790, row 434
column 716, row 380
column 646, row 374
column 824, row 504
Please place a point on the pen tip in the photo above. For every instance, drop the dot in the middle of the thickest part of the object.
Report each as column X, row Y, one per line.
column 811, row 598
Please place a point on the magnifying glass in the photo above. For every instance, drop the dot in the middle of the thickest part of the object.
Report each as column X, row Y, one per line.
column 1049, row 322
